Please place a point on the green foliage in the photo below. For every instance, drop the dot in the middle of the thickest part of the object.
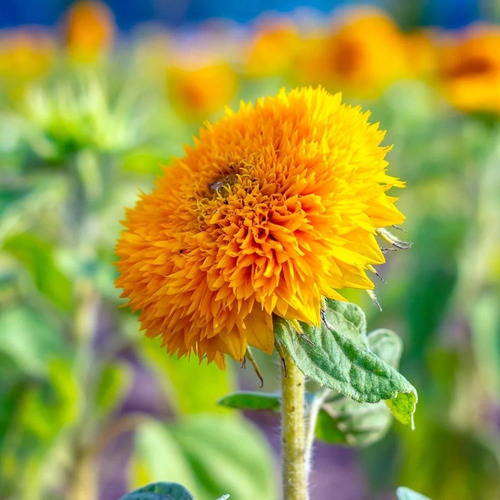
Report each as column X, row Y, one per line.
column 249, row 400
column 485, row 323
column 29, row 340
column 337, row 355
column 37, row 257
column 159, row 491
column 344, row 421
column 78, row 113
column 111, row 388
column 51, row 406
column 387, row 345
column 191, row 387
column 465, row 464
column 211, row 455
column 58, row 395
column 433, row 274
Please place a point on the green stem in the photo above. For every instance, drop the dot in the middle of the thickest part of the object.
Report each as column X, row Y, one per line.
column 293, row 431
column 83, row 480
column 314, row 409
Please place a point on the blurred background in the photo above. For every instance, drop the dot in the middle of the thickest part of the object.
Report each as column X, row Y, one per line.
column 94, row 97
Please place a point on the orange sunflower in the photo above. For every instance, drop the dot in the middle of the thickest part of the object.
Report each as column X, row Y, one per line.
column 273, row 208
column 366, row 52
column 198, row 92
column 89, row 30
column 469, row 69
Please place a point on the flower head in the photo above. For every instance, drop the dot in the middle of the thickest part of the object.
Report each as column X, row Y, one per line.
column 272, row 50
column 201, row 91
column 355, row 54
column 273, row 208
column 89, row 30
column 25, row 53
column 469, row 69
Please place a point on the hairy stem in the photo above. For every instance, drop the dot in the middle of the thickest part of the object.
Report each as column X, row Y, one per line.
column 293, row 431
column 314, row 409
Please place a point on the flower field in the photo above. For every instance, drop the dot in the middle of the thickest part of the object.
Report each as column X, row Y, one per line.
column 179, row 209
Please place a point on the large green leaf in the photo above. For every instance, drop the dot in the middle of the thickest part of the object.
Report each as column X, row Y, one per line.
column 228, row 456
column 345, row 421
column 387, row 345
column 337, row 355
column 158, row 457
column 37, row 256
column 211, row 455
column 250, row 400
column 159, row 491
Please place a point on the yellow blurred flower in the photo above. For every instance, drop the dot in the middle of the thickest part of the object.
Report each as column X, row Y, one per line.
column 272, row 50
column 25, row 53
column 469, row 69
column 198, row 92
column 274, row 207
column 89, row 30
column 365, row 52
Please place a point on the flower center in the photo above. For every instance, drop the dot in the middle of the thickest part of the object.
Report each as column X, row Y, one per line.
column 222, row 187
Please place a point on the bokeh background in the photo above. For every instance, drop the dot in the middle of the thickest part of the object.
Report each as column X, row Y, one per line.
column 94, row 97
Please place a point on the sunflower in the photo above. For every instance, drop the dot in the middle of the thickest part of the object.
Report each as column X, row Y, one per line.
column 200, row 91
column 89, row 30
column 25, row 54
column 365, row 52
column 272, row 50
column 469, row 69
column 273, row 208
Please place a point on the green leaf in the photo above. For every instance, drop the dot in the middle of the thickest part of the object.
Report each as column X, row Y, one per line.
column 404, row 493
column 250, row 400
column 37, row 256
column 344, row 421
column 387, row 345
column 228, row 456
column 347, row 318
column 159, row 491
column 337, row 355
column 158, row 457
column 403, row 407
column 212, row 455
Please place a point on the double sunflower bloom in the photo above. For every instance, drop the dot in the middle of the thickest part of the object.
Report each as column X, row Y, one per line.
column 273, row 208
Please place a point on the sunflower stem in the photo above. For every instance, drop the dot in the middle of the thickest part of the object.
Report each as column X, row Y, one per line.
column 293, row 431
